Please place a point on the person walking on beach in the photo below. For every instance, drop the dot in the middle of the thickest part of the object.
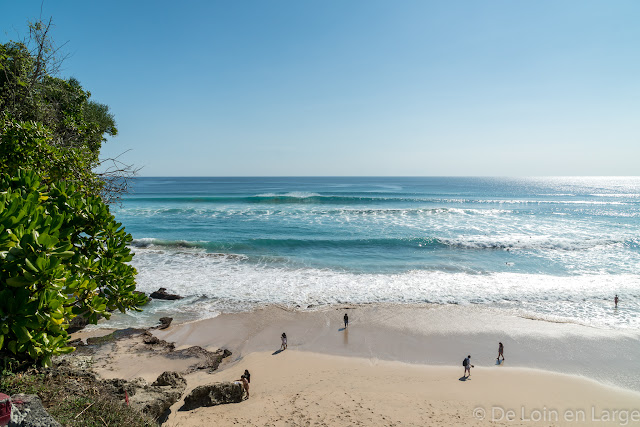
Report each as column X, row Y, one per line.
column 467, row 366
column 346, row 320
column 284, row 341
column 500, row 351
column 616, row 300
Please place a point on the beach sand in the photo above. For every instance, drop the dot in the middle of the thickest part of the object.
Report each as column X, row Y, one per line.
column 297, row 388
column 402, row 365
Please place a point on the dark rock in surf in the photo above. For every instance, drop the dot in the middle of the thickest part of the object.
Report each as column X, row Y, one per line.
column 165, row 322
column 163, row 294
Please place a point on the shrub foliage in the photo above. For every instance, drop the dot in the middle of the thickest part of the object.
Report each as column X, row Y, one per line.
column 62, row 254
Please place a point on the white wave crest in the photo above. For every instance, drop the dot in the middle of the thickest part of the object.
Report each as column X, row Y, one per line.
column 231, row 285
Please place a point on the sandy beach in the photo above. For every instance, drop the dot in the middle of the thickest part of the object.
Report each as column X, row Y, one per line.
column 297, row 388
column 402, row 365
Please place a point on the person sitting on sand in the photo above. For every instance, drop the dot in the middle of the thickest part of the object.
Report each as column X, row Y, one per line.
column 284, row 341
column 247, row 375
column 500, row 351
column 245, row 384
column 346, row 320
column 467, row 366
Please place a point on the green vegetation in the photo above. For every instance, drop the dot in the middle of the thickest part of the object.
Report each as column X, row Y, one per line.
column 62, row 254
column 75, row 401
column 58, row 113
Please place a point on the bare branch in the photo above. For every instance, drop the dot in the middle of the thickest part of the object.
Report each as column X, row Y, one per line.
column 116, row 177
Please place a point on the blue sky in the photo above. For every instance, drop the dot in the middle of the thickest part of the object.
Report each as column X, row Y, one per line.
column 286, row 88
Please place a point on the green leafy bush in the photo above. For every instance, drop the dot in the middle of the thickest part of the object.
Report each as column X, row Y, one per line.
column 62, row 254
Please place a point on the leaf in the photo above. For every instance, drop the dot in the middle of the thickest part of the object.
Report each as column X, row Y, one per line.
column 30, row 266
column 21, row 333
column 18, row 281
column 63, row 255
column 65, row 350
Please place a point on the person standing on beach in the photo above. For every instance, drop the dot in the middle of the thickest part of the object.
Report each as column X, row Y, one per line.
column 284, row 341
column 244, row 383
column 500, row 351
column 616, row 300
column 247, row 375
column 346, row 320
column 467, row 366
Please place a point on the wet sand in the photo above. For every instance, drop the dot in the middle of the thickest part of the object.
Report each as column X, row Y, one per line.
column 430, row 335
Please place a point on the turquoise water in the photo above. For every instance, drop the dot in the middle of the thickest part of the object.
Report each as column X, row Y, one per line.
column 550, row 248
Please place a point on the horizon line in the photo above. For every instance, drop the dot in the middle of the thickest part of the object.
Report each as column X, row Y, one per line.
column 386, row 176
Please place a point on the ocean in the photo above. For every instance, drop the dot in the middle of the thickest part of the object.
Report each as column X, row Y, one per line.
column 553, row 248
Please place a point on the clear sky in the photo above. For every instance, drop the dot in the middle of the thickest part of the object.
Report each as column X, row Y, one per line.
column 286, row 88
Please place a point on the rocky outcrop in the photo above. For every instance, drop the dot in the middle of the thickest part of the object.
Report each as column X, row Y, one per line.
column 115, row 336
column 213, row 394
column 156, row 399
column 171, row 379
column 120, row 388
column 163, row 294
column 208, row 360
column 27, row 411
column 153, row 400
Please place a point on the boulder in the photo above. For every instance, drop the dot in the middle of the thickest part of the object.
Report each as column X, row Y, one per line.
column 163, row 294
column 156, row 343
column 156, row 399
column 171, row 379
column 165, row 322
column 27, row 411
column 77, row 323
column 213, row 394
column 150, row 339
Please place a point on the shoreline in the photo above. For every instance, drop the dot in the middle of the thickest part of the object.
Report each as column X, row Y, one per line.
column 426, row 335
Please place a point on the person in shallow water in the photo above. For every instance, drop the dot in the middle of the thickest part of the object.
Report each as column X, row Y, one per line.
column 616, row 300
column 346, row 320
column 283, row 337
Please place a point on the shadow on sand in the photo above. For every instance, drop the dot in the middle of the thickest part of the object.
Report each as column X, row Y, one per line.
column 341, row 329
column 464, row 378
column 277, row 352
